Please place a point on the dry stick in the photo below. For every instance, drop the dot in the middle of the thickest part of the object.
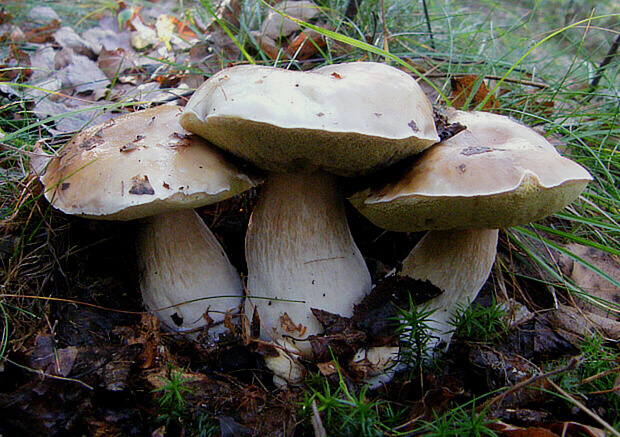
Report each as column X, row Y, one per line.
column 47, row 375
column 428, row 24
column 494, row 77
column 92, row 305
column 583, row 408
column 570, row 366
column 613, row 50
column 317, row 423
column 386, row 42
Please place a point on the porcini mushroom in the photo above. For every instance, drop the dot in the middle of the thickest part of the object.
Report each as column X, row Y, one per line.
column 305, row 128
column 144, row 164
column 495, row 174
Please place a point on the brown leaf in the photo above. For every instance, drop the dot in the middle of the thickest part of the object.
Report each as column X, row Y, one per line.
column 594, row 284
column 42, row 34
column 328, row 368
column 574, row 324
column 16, row 66
column 5, row 16
column 340, row 337
column 573, row 429
column 462, row 89
column 289, row 326
column 446, row 130
column 117, row 63
column 306, row 45
column 375, row 313
column 50, row 360
column 529, row 432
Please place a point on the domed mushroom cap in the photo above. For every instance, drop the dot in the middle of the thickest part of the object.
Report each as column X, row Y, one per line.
column 495, row 174
column 346, row 119
column 137, row 165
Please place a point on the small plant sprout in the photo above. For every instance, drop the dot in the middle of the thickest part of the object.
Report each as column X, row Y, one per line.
column 171, row 403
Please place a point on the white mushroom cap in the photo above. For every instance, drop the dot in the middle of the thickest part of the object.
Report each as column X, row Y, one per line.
column 346, row 119
column 495, row 174
column 139, row 164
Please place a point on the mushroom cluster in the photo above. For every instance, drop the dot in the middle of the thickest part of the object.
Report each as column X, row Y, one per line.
column 306, row 129
column 310, row 132
column 355, row 119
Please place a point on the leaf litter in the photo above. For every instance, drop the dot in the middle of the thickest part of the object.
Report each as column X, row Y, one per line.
column 95, row 364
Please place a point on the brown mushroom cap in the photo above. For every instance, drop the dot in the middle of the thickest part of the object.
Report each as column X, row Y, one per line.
column 496, row 174
column 137, row 165
column 346, row 119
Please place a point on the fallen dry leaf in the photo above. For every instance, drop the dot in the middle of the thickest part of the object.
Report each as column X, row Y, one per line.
column 16, row 67
column 51, row 360
column 42, row 34
column 590, row 281
column 462, row 89
column 306, row 45
column 571, row 322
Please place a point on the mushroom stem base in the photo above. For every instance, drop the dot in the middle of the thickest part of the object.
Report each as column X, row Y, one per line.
column 459, row 263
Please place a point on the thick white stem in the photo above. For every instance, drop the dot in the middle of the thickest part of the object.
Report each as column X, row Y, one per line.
column 301, row 255
column 459, row 263
column 187, row 279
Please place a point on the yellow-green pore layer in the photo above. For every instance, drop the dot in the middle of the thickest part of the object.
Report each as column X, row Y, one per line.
column 262, row 144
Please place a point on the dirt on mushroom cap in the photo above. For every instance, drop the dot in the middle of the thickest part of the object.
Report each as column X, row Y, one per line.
column 496, row 174
column 137, row 165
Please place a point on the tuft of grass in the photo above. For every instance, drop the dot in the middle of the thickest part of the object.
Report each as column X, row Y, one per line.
column 415, row 335
column 595, row 380
column 484, row 323
column 461, row 421
column 347, row 410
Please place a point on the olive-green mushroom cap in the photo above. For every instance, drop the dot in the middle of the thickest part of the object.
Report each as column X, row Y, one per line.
column 347, row 119
column 497, row 173
column 137, row 165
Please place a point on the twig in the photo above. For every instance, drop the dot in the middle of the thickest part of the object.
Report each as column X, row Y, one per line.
column 428, row 24
column 570, row 366
column 585, row 409
column 57, row 299
column 47, row 375
column 386, row 41
column 317, row 423
column 493, row 77
column 613, row 50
